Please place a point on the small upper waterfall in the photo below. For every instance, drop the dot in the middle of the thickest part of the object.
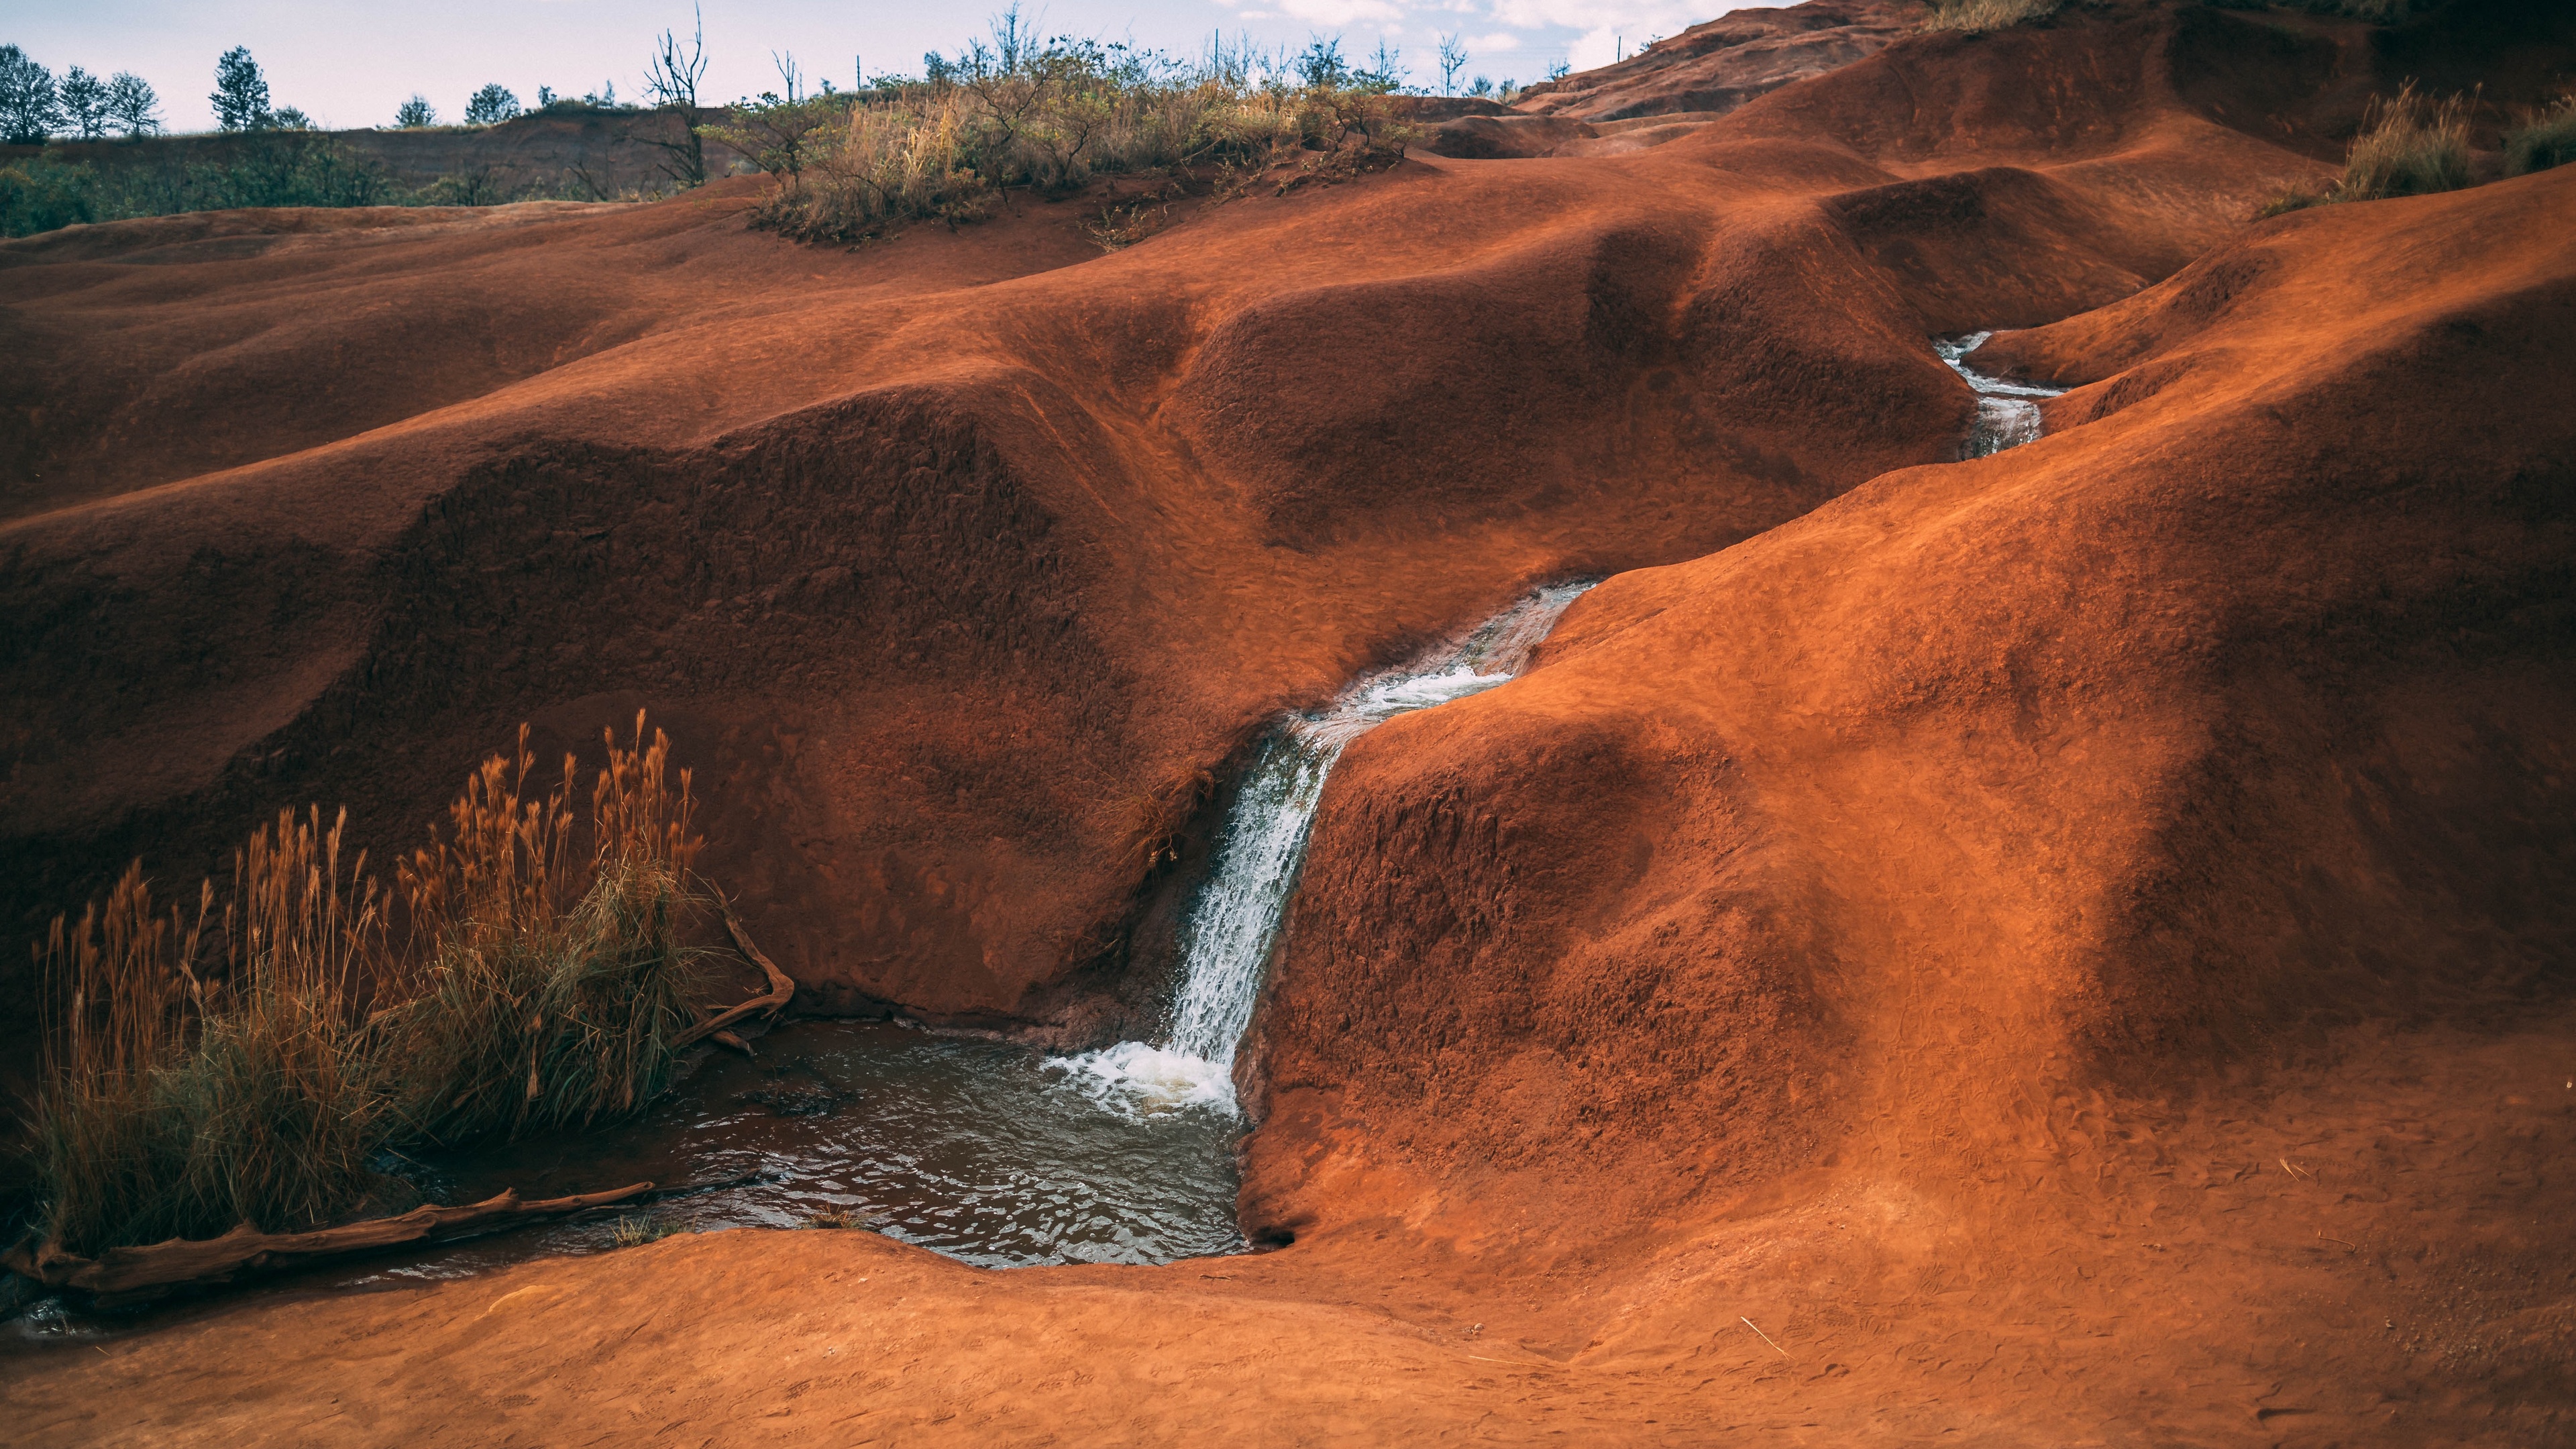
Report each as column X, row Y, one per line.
column 1231, row 929
column 2006, row 416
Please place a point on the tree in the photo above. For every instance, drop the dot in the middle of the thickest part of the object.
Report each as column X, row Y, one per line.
column 416, row 113
column 133, row 104
column 241, row 93
column 491, row 106
column 28, row 110
column 671, row 80
column 1385, row 72
column 288, row 118
column 1453, row 59
column 1321, row 63
column 1559, row 71
column 84, row 103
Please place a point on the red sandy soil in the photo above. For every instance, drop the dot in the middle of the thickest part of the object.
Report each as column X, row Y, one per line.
column 2066, row 948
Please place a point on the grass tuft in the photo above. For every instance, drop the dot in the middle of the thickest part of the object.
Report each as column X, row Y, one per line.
column 2548, row 139
column 2410, row 145
column 209, row 1070
column 637, row 1229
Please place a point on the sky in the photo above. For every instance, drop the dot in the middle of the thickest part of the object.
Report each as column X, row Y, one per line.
column 349, row 65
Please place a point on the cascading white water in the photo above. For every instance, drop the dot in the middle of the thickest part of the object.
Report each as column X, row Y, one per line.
column 1231, row 930
column 2006, row 416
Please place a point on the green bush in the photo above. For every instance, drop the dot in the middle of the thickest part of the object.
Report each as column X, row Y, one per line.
column 41, row 193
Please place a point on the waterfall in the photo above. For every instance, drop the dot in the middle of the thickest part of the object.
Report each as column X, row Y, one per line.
column 2006, row 416
column 1233, row 925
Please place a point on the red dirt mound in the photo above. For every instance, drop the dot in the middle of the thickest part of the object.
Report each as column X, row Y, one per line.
column 1718, row 66
column 2067, row 947
column 970, row 552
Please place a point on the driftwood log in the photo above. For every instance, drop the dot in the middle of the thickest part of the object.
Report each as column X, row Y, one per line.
column 773, row 1001
column 130, row 1274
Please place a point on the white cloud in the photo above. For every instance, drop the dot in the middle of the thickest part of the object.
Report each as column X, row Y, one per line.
column 1342, row 12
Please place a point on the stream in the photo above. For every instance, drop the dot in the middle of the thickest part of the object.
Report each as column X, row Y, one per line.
column 2007, row 413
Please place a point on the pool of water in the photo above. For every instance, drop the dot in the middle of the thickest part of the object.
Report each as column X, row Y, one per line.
column 970, row 1147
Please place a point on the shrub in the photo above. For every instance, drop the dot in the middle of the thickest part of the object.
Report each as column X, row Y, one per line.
column 2408, row 146
column 2546, row 140
column 249, row 1067
column 1978, row 16
column 415, row 113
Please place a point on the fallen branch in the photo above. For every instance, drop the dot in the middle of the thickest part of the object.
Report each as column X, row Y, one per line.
column 781, row 991
column 128, row 1274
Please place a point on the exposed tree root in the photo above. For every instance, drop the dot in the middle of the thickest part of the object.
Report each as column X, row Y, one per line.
column 781, row 991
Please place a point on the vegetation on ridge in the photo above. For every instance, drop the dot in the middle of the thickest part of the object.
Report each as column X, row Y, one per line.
column 2410, row 145
column 1047, row 117
column 1978, row 16
column 251, row 1065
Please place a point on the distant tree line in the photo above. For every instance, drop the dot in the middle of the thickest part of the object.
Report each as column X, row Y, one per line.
column 35, row 107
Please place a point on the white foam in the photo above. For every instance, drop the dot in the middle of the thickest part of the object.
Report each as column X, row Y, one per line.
column 1136, row 1079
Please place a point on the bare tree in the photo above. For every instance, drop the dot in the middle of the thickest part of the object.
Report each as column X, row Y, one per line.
column 1453, row 59
column 671, row 79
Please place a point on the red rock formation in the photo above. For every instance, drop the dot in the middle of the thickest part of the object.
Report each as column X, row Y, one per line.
column 2064, row 947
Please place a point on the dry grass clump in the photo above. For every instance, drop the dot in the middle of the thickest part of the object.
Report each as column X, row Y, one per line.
column 1047, row 119
column 2409, row 146
column 637, row 1229
column 250, row 1066
column 2545, row 140
column 172, row 1105
column 541, row 994
column 1978, row 16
